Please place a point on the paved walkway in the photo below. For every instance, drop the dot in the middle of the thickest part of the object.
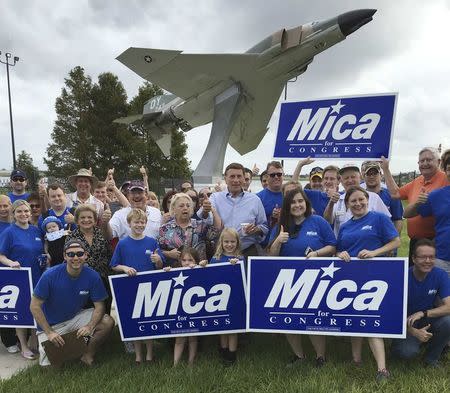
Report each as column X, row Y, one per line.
column 12, row 363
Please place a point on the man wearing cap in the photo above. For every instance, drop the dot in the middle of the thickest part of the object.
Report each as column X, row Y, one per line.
column 315, row 178
column 372, row 182
column 18, row 185
column 336, row 212
column 118, row 225
column 58, row 301
column 84, row 182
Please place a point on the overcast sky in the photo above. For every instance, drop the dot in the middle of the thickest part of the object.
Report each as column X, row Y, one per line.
column 404, row 49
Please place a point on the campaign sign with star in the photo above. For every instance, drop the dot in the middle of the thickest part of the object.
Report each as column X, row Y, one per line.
column 328, row 296
column 339, row 128
column 15, row 298
column 181, row 302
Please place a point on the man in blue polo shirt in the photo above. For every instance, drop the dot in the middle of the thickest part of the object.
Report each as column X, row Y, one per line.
column 426, row 323
column 58, row 301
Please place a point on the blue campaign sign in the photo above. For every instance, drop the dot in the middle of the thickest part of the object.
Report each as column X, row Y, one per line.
column 339, row 128
column 328, row 296
column 15, row 298
column 181, row 302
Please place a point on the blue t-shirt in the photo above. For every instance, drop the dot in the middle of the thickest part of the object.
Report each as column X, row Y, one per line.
column 52, row 213
column 136, row 253
column 223, row 258
column 65, row 296
column 14, row 197
column 270, row 201
column 394, row 206
column 23, row 246
column 314, row 233
column 422, row 294
column 370, row 232
column 319, row 200
column 438, row 205
column 3, row 226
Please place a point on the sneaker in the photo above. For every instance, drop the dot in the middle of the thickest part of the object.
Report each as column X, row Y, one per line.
column 13, row 349
column 382, row 375
column 320, row 362
column 28, row 355
column 296, row 361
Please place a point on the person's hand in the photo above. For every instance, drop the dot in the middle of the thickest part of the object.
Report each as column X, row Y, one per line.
column 166, row 217
column 344, row 255
column 173, row 254
column 155, row 258
column 69, row 218
column 90, row 170
column 384, row 164
column 414, row 317
column 365, row 254
column 111, row 184
column 42, row 189
column 167, row 269
column 334, row 196
column 110, row 175
column 192, row 265
column 143, row 171
column 255, row 170
column 130, row 271
column 56, row 339
column 283, row 236
column 15, row 265
column 84, row 331
column 206, row 205
column 422, row 198
column 312, row 254
column 218, row 186
column 233, row 261
column 276, row 213
column 203, row 263
column 251, row 229
column 106, row 216
column 423, row 335
column 306, row 161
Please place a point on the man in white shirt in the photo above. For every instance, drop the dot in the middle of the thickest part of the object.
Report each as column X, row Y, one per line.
column 84, row 182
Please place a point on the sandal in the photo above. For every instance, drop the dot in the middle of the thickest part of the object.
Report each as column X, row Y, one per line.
column 28, row 355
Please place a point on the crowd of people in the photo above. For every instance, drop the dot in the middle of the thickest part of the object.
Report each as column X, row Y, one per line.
column 73, row 241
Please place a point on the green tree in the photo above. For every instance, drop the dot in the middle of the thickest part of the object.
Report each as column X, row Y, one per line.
column 25, row 163
column 72, row 142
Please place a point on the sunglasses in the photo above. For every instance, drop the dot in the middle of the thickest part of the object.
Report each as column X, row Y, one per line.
column 277, row 174
column 72, row 254
column 203, row 195
column 33, row 206
column 18, row 179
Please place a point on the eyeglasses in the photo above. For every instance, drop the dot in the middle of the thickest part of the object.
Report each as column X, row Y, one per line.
column 33, row 206
column 276, row 174
column 18, row 179
column 72, row 254
column 424, row 258
column 204, row 195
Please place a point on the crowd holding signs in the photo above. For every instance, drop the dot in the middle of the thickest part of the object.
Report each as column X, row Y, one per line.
column 318, row 260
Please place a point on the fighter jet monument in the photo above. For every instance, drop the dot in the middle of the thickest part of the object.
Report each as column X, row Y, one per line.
column 237, row 92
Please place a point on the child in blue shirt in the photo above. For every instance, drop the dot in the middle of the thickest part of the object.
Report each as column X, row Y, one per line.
column 137, row 253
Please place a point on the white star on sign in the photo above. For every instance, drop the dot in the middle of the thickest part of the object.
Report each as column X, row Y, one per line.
column 329, row 271
column 179, row 280
column 337, row 107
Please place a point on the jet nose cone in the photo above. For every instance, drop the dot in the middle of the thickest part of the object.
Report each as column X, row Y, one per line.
column 353, row 20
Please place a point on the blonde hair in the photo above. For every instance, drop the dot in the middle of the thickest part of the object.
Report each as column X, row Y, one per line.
column 151, row 195
column 219, row 249
column 176, row 198
column 136, row 214
column 85, row 207
column 18, row 203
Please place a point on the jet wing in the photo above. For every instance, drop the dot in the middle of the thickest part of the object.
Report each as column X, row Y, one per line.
column 187, row 75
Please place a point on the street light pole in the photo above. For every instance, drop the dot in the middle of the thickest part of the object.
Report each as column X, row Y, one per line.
column 8, row 64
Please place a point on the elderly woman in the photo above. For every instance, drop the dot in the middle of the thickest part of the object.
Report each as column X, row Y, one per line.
column 21, row 245
column 92, row 238
column 183, row 230
column 367, row 234
column 300, row 233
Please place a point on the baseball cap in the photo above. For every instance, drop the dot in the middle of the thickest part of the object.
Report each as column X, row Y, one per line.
column 348, row 166
column 74, row 243
column 372, row 165
column 136, row 185
column 18, row 173
column 316, row 171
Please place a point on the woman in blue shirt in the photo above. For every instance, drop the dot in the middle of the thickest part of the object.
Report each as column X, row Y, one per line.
column 21, row 245
column 366, row 235
column 300, row 233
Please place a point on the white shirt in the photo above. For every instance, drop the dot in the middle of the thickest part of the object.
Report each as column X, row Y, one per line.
column 121, row 229
column 72, row 200
column 341, row 214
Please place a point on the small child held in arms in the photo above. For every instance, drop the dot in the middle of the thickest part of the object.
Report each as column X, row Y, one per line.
column 55, row 238
column 137, row 253
column 188, row 258
column 228, row 250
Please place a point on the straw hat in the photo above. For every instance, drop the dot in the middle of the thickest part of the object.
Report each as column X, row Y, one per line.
column 83, row 172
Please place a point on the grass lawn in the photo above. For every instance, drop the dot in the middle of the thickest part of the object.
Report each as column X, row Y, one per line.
column 261, row 367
